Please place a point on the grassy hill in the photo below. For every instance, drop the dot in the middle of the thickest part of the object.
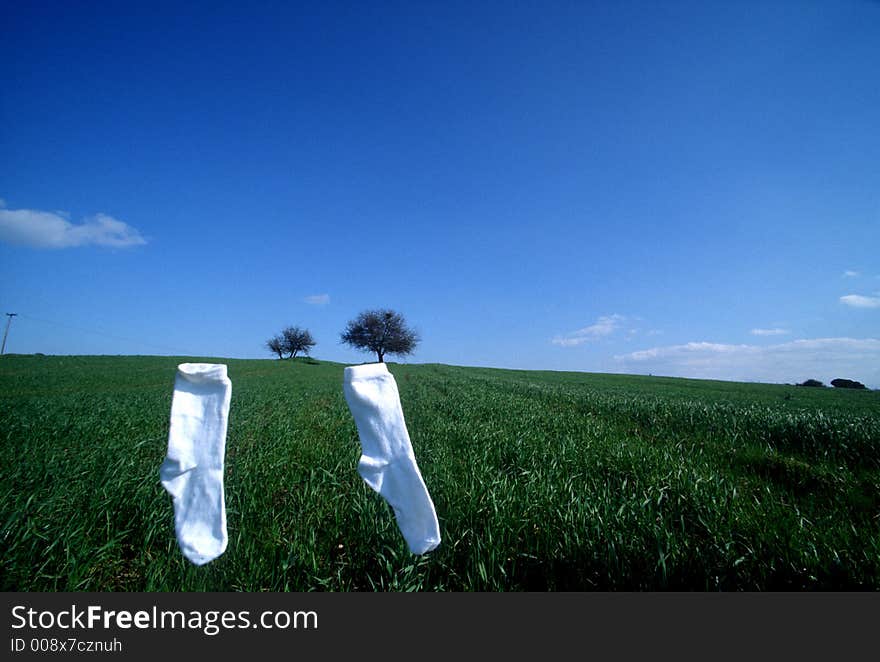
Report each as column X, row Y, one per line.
column 541, row 480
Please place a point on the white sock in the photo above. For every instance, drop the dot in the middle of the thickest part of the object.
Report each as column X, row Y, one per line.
column 192, row 473
column 388, row 463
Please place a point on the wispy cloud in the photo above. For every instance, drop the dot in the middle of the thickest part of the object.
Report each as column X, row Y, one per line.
column 47, row 229
column 690, row 349
column 604, row 326
column 318, row 299
column 849, row 273
column 790, row 362
column 769, row 332
column 859, row 301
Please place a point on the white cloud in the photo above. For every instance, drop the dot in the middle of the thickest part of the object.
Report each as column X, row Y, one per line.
column 318, row 299
column 568, row 342
column 859, row 301
column 604, row 326
column 790, row 362
column 45, row 229
column 849, row 273
column 769, row 332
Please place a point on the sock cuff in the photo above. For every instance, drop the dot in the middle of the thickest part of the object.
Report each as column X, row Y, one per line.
column 203, row 373
column 366, row 371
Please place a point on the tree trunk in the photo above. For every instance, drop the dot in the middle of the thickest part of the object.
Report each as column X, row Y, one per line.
column 381, row 356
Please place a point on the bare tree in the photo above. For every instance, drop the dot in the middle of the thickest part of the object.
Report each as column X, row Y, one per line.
column 296, row 340
column 275, row 344
column 291, row 341
column 381, row 331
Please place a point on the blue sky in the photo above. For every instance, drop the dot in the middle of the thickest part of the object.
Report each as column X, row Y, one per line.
column 682, row 188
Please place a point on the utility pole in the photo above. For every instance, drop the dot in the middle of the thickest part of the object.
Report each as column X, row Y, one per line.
column 6, row 333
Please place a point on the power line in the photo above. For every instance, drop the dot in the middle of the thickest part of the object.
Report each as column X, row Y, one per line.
column 176, row 350
column 6, row 333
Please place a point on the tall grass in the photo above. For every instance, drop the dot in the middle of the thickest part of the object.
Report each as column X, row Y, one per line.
column 542, row 481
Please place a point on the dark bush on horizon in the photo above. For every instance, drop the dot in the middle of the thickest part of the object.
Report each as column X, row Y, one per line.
column 846, row 383
column 813, row 382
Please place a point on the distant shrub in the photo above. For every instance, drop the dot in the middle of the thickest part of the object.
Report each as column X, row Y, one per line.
column 846, row 383
column 812, row 382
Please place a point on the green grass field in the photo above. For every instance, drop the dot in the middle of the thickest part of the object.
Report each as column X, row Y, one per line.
column 542, row 481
